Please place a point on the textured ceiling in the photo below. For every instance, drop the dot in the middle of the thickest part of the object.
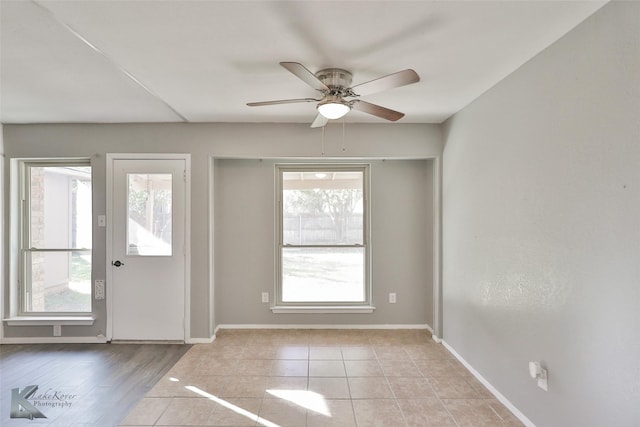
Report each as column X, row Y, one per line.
column 202, row 61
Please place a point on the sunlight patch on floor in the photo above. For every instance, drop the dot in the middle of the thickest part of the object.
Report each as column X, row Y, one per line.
column 306, row 399
column 231, row 406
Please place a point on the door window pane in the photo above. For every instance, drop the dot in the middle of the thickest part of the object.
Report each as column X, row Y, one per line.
column 149, row 214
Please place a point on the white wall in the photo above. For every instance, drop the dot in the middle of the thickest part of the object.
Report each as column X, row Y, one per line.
column 203, row 141
column 542, row 227
column 401, row 244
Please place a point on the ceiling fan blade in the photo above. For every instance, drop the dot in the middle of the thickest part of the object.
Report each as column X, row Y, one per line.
column 319, row 121
column 401, row 78
column 282, row 101
column 376, row 110
column 305, row 75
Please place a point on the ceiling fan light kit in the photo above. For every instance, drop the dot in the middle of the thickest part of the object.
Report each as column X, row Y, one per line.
column 338, row 97
column 332, row 110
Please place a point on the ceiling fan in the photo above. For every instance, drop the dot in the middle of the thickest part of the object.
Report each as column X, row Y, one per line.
column 338, row 97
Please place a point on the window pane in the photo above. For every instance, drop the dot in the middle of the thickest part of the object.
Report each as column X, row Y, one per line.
column 149, row 218
column 60, row 281
column 323, row 275
column 322, row 208
column 60, row 206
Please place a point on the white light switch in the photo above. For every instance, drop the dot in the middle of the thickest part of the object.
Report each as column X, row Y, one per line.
column 99, row 289
column 392, row 298
column 265, row 297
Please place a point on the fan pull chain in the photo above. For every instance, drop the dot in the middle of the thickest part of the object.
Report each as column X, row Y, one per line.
column 323, row 140
column 344, row 148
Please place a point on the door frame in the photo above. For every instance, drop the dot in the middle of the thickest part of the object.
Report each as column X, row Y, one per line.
column 111, row 157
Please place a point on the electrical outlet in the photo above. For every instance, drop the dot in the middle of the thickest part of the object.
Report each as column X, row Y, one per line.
column 57, row 330
column 99, row 289
column 265, row 297
column 540, row 374
column 392, row 298
column 542, row 380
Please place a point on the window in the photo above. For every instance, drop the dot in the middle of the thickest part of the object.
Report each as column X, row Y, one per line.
column 55, row 237
column 149, row 214
column 322, row 235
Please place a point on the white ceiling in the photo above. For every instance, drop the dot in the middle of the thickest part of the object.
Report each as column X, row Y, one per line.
column 202, row 61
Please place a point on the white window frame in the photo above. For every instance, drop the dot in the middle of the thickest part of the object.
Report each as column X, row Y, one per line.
column 323, row 307
column 23, row 224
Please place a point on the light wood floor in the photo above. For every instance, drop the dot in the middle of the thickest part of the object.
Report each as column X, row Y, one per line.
column 82, row 384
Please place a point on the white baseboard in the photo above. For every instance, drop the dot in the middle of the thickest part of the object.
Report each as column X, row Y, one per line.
column 201, row 340
column 147, row 342
column 92, row 340
column 54, row 340
column 515, row 411
column 286, row 326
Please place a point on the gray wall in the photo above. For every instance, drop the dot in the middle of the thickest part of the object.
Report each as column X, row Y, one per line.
column 204, row 142
column 2, row 220
column 401, row 241
column 541, row 227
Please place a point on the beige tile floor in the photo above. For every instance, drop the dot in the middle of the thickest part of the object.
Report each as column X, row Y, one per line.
column 320, row 378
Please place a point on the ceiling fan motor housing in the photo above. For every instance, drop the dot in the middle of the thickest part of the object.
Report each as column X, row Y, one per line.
column 337, row 79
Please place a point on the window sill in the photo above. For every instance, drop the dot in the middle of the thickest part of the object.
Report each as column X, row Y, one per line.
column 49, row 320
column 323, row 309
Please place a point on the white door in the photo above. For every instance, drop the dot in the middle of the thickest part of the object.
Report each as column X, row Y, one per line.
column 148, row 249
